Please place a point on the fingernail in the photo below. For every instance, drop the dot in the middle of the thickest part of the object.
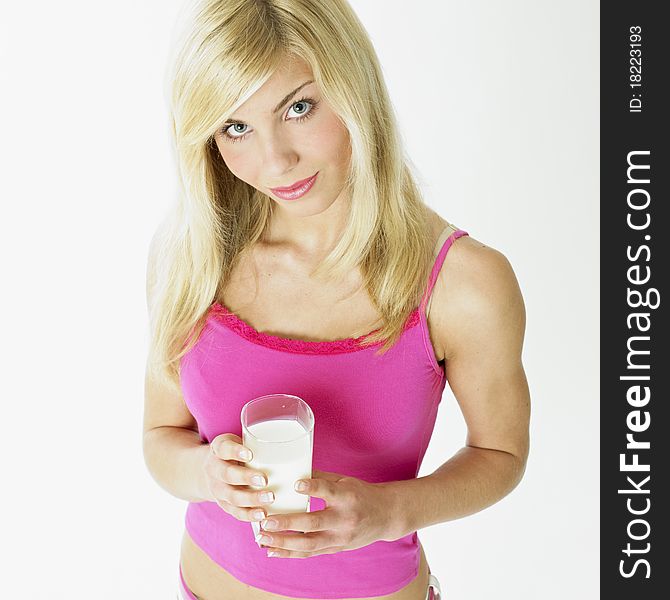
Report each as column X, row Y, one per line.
column 301, row 486
column 272, row 553
column 259, row 515
column 265, row 539
column 269, row 524
column 258, row 480
column 267, row 497
column 245, row 454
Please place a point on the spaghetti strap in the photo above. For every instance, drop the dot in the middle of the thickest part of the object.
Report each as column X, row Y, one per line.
column 438, row 265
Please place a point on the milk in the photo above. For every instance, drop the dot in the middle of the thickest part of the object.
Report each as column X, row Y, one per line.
column 283, row 462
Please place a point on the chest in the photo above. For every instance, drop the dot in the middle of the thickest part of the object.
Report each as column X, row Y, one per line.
column 278, row 297
column 347, row 390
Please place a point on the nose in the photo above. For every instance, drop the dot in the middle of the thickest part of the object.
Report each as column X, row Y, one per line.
column 279, row 159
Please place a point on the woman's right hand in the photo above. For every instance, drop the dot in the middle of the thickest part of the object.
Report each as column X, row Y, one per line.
column 228, row 480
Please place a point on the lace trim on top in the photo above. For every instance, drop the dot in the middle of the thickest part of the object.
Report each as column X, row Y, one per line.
column 242, row 328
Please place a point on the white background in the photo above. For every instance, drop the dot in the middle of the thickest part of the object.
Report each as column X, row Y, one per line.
column 498, row 103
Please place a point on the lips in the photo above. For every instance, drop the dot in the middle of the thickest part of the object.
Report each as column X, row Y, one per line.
column 296, row 190
column 293, row 187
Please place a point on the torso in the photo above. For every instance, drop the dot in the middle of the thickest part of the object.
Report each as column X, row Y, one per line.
column 280, row 299
column 208, row 581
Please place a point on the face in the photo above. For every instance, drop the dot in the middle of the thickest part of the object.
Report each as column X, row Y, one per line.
column 286, row 133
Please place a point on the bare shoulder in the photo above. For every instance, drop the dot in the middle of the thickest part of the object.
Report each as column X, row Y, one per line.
column 476, row 296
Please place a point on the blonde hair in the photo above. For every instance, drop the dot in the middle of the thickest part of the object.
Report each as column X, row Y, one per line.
column 227, row 51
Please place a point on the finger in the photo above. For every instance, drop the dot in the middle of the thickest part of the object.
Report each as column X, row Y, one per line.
column 300, row 542
column 326, row 475
column 236, row 474
column 230, row 449
column 241, row 496
column 242, row 514
column 321, row 488
column 318, row 520
column 282, row 553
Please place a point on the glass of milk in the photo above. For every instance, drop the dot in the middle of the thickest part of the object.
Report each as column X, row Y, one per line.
column 279, row 430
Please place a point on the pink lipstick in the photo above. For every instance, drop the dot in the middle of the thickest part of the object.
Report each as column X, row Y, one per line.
column 296, row 190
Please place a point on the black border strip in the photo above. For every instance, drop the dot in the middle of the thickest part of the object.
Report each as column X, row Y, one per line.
column 635, row 362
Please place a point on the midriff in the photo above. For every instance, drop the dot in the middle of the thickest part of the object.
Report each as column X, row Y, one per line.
column 209, row 581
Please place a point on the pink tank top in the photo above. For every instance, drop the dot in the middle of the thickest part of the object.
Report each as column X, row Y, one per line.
column 374, row 417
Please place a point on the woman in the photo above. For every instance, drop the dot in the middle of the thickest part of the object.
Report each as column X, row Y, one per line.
column 344, row 289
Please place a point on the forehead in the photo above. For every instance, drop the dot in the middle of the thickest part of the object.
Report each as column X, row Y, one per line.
column 290, row 67
column 291, row 73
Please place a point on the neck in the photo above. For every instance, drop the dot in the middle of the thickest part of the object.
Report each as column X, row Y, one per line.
column 311, row 235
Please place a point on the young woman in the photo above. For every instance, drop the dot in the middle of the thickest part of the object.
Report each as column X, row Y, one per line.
column 301, row 259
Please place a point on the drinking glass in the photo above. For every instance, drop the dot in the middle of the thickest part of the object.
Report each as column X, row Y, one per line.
column 279, row 431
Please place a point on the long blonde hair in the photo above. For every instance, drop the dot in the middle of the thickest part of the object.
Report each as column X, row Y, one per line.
column 227, row 50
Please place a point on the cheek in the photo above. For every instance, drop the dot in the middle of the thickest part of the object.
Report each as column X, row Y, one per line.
column 236, row 162
column 333, row 140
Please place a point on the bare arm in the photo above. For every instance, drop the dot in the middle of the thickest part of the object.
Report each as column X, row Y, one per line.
column 173, row 451
column 175, row 456
column 481, row 313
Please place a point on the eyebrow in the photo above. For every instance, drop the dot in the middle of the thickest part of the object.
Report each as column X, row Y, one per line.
column 284, row 100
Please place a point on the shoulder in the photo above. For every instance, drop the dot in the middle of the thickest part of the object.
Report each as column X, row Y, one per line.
column 476, row 297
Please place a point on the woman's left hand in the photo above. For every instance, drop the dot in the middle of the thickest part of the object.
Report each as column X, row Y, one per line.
column 358, row 513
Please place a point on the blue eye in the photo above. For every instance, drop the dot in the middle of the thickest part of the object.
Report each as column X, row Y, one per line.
column 301, row 102
column 224, row 131
column 235, row 125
